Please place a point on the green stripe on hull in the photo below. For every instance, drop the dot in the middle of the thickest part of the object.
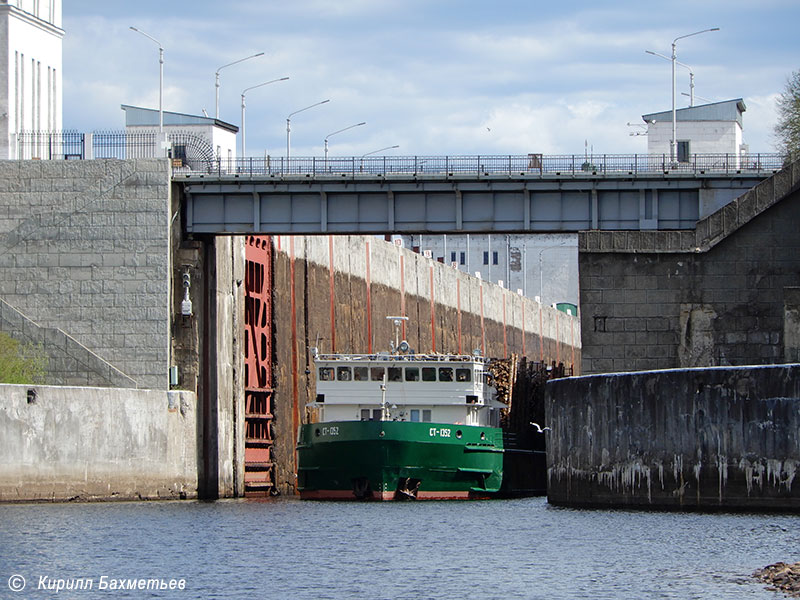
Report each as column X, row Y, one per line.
column 376, row 458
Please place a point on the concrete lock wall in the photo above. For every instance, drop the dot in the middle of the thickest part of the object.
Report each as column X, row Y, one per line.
column 724, row 293
column 91, row 270
column 710, row 438
column 69, row 443
column 335, row 292
column 208, row 350
column 84, row 267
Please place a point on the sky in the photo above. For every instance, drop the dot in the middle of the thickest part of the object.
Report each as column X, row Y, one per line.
column 433, row 77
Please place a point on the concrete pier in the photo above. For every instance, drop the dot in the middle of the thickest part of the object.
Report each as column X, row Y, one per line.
column 708, row 438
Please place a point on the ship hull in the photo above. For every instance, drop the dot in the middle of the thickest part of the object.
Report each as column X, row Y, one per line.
column 393, row 460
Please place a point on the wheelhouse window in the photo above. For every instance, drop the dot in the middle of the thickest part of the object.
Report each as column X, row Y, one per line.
column 426, row 416
column 326, row 374
column 395, row 374
column 344, row 374
column 463, row 375
column 428, row 373
column 360, row 374
column 445, row 374
column 376, row 373
column 365, row 414
column 412, row 373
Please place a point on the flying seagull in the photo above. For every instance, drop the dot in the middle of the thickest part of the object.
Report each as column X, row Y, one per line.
column 539, row 428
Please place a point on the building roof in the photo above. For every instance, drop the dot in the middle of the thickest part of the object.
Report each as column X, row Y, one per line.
column 136, row 117
column 728, row 110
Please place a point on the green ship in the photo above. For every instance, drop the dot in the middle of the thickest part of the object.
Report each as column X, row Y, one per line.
column 400, row 425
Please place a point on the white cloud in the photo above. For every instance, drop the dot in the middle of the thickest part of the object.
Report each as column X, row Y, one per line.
column 436, row 76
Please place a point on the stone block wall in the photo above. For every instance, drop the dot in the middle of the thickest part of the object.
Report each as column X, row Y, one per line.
column 720, row 294
column 68, row 361
column 84, row 249
column 712, row 438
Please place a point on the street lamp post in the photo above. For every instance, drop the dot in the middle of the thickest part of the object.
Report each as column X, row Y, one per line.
column 216, row 80
column 673, row 143
column 160, row 77
column 375, row 152
column 334, row 133
column 289, row 128
column 243, row 106
column 691, row 74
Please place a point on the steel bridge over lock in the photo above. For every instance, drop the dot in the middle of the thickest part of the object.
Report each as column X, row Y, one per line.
column 445, row 194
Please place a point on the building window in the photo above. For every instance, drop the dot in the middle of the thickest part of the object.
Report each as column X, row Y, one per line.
column 463, row 258
column 683, row 150
column 452, row 257
column 486, row 258
column 494, row 258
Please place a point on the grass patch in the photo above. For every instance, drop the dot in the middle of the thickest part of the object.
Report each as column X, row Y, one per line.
column 24, row 364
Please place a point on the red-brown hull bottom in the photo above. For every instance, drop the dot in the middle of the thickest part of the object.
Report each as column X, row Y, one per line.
column 384, row 496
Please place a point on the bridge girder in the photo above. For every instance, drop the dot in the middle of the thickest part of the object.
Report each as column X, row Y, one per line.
column 223, row 205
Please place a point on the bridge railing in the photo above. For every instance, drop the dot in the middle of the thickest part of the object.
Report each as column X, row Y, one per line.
column 192, row 155
column 511, row 165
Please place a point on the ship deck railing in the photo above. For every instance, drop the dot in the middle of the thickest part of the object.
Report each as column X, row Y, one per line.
column 399, row 357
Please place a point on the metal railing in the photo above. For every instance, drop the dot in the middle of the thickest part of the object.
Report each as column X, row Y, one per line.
column 72, row 145
column 194, row 156
column 122, row 144
column 509, row 165
column 48, row 145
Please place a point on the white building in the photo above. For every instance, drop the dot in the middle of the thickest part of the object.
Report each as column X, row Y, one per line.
column 543, row 265
column 706, row 129
column 192, row 137
column 30, row 64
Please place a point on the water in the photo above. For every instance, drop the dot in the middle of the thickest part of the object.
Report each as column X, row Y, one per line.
column 286, row 548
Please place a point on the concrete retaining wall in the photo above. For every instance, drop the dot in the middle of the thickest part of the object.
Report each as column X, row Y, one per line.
column 335, row 292
column 713, row 438
column 61, row 443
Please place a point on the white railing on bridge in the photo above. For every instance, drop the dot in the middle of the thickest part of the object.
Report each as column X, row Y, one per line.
column 190, row 156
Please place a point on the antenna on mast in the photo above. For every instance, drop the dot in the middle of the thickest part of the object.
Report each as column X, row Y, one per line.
column 397, row 322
